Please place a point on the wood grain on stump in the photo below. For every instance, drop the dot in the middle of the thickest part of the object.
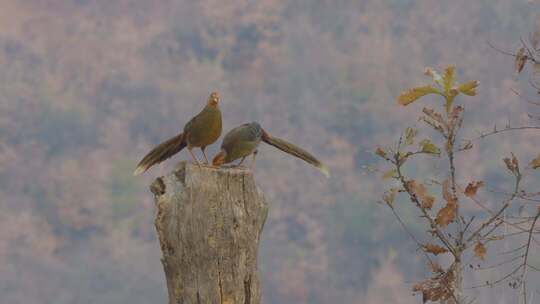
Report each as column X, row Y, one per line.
column 209, row 223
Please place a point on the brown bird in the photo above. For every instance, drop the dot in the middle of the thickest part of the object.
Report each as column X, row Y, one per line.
column 201, row 131
column 244, row 140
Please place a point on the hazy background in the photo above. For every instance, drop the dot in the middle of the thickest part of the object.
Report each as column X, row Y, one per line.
column 87, row 87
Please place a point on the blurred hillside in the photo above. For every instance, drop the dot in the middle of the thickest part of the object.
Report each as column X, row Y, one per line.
column 88, row 86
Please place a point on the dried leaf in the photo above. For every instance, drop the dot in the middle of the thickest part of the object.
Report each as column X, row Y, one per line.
column 434, row 249
column 435, row 267
column 447, row 214
column 381, row 152
column 512, row 164
column 480, row 250
column 428, row 147
column 520, row 61
column 448, row 197
column 438, row 288
column 390, row 173
column 389, row 196
column 413, row 94
column 472, row 188
column 455, row 118
column 435, row 76
column 508, row 164
column 469, row 88
column 535, row 163
column 410, row 133
column 433, row 115
column 449, row 78
column 420, row 191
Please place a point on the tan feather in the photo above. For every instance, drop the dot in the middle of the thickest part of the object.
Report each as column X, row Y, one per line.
column 296, row 151
column 160, row 153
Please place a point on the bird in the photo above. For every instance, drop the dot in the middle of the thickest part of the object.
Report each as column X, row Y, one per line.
column 244, row 140
column 201, row 131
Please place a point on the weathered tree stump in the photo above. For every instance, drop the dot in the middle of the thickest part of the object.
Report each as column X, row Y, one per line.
column 209, row 223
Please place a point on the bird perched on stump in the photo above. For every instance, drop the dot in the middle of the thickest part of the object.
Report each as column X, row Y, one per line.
column 201, row 131
column 244, row 140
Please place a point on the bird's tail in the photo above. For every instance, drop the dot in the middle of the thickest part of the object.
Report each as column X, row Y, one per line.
column 294, row 150
column 160, row 153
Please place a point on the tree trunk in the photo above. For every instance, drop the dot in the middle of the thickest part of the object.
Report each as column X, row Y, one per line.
column 209, row 223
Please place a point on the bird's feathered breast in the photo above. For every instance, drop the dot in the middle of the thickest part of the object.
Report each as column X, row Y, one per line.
column 205, row 127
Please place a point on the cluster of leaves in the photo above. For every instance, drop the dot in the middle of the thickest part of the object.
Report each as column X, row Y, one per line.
column 445, row 283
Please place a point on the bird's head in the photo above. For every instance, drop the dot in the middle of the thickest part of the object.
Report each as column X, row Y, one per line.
column 213, row 100
column 219, row 159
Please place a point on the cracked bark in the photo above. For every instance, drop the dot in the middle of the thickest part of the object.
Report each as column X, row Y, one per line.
column 209, row 223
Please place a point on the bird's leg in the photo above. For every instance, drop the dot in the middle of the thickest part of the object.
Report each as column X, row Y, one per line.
column 205, row 157
column 241, row 161
column 193, row 155
column 253, row 161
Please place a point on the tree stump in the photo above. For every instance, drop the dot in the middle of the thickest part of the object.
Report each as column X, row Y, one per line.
column 209, row 223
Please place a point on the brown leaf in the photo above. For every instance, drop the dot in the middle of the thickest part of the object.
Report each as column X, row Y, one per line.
column 480, row 250
column 380, row 152
column 446, row 215
column 420, row 191
column 438, row 288
column 535, row 163
column 512, row 164
column 448, row 197
column 413, row 94
column 435, row 267
column 455, row 117
column 434, row 249
column 433, row 115
column 472, row 188
column 520, row 61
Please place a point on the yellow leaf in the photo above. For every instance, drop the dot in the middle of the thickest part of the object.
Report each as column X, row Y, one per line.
column 410, row 133
column 449, row 77
column 413, row 94
column 472, row 188
column 480, row 250
column 469, row 88
column 428, row 147
column 535, row 163
column 389, row 174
